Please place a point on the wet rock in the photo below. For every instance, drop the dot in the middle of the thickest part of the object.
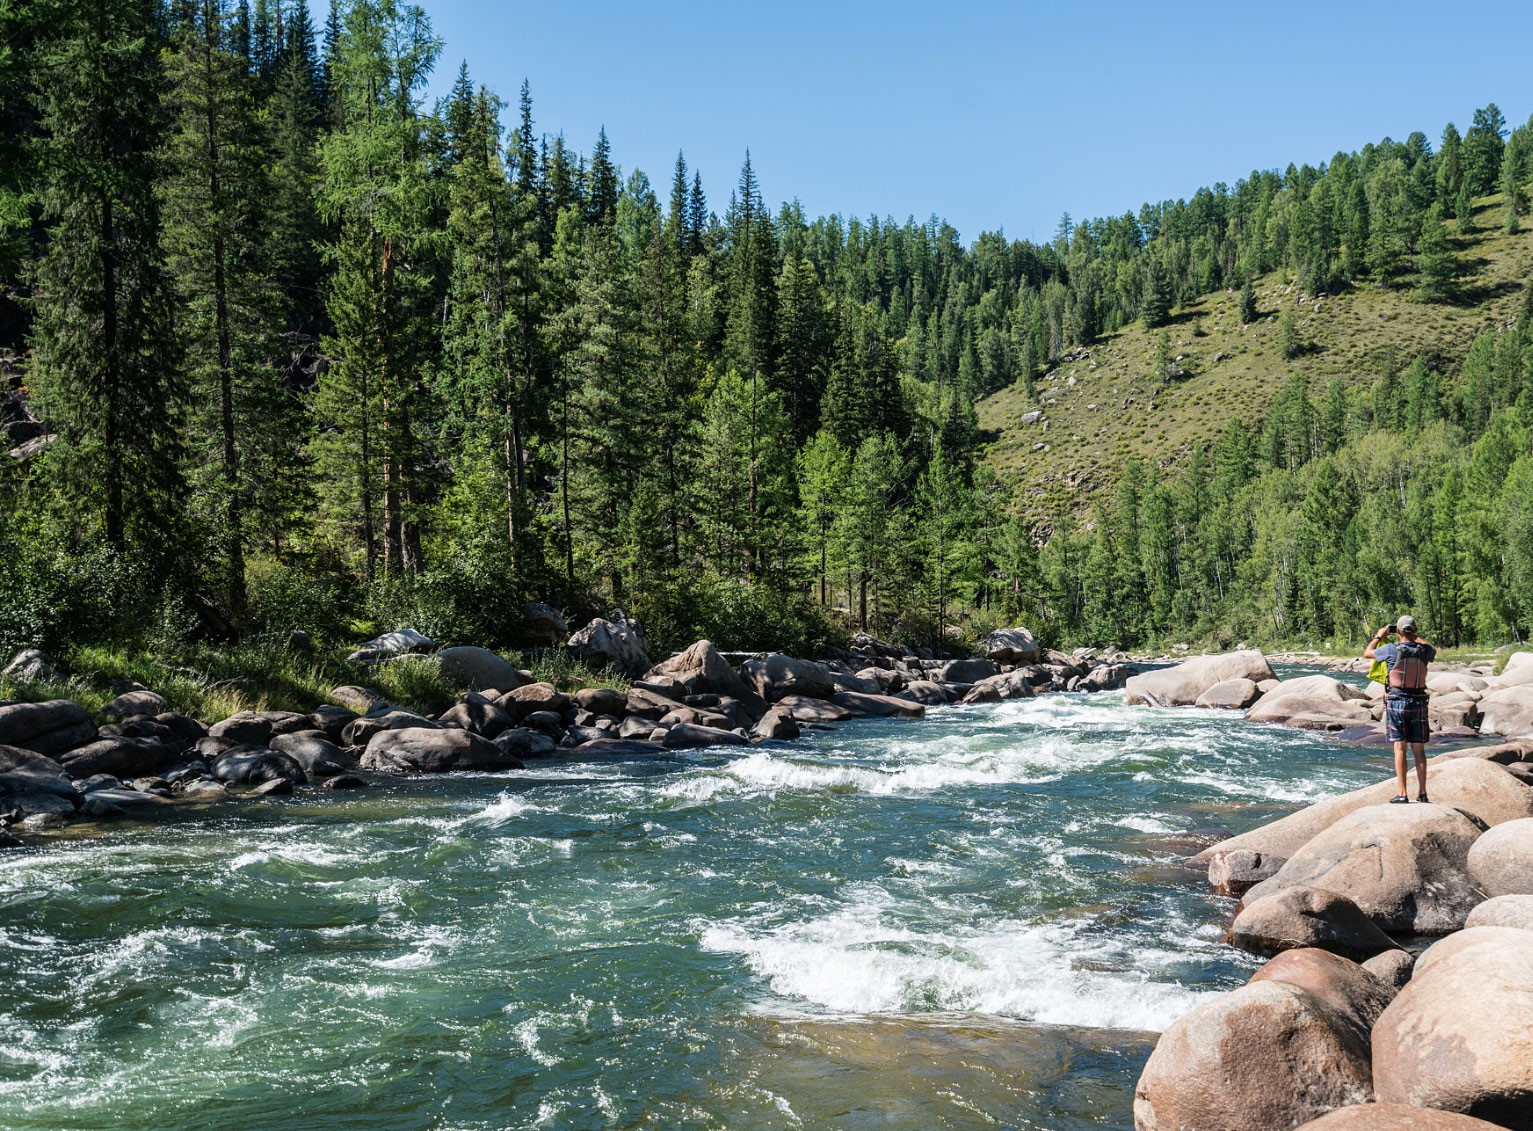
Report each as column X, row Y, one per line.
column 776, row 724
column 479, row 669
column 343, row 781
column 276, row 787
column 100, row 809
column 205, row 789
column 1501, row 861
column 522, row 742
column 131, row 800
column 34, row 783
column 1008, row 685
column 1011, row 646
column 1235, row 873
column 1405, row 866
column 687, row 736
column 98, row 781
column 256, row 728
column 426, row 750
column 1459, row 1037
column 775, row 676
column 49, row 728
column 1181, row 685
column 1266, row 1055
column 1502, row 911
column 549, row 722
column 1395, row 1117
column 1301, row 916
column 255, row 765
column 637, row 726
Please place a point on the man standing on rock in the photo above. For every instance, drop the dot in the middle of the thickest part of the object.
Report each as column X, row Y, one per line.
column 1405, row 697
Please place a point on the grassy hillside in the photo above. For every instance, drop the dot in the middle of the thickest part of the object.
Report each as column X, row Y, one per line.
column 1108, row 403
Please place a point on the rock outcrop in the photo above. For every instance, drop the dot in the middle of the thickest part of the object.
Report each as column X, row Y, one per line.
column 1181, row 685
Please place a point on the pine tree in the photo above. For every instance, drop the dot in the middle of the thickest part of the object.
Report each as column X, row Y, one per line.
column 295, row 114
column 375, row 191
column 216, row 193
column 1290, row 345
column 1483, row 146
column 1436, row 264
column 1449, row 173
column 677, row 219
column 106, row 367
column 1248, row 311
column 1463, row 208
column 1155, row 302
column 601, row 200
column 697, row 214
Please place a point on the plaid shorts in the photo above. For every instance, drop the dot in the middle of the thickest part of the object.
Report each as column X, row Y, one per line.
column 1405, row 719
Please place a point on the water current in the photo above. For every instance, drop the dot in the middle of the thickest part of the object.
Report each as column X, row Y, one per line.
column 976, row 921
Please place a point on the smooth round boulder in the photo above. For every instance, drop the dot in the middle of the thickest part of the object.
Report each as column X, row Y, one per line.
column 1501, row 861
column 805, row 710
column 433, row 750
column 1229, row 695
column 776, row 675
column 688, row 736
column 360, row 731
column 1304, row 916
column 1395, row 1117
column 776, row 724
column 476, row 713
column 478, row 669
column 1181, row 685
column 1312, row 699
column 256, row 765
column 134, row 704
column 970, row 670
column 614, row 642
column 602, row 701
column 1392, row 967
column 924, row 691
column 122, row 757
column 1459, row 1036
column 1011, row 646
column 1405, row 866
column 1338, row 982
column 1503, row 911
column 332, row 720
column 1266, row 1055
column 863, row 706
column 319, row 757
column 48, row 728
column 520, row 702
column 359, row 700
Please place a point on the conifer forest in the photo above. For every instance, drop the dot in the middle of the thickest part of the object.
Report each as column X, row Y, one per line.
column 286, row 346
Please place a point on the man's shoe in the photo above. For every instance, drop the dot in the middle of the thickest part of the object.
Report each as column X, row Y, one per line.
column 1423, row 799
column 1401, row 800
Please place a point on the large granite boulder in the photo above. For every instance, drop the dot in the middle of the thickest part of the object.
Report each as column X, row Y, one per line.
column 776, row 724
column 602, row 701
column 1459, row 1037
column 1405, row 866
column 1483, row 789
column 1181, row 685
column 256, row 765
column 257, row 728
column 806, row 710
column 1266, row 1055
column 358, row 700
column 687, row 736
column 702, row 670
column 1011, row 646
column 521, row 702
column 32, row 783
column 1507, row 711
column 1338, row 982
column 997, row 688
column 479, row 669
column 134, row 704
column 476, row 713
column 970, row 670
column 29, row 666
column 1236, row 873
column 1313, row 696
column 1395, row 1117
column 1307, row 917
column 425, row 750
column 614, row 642
column 926, row 692
column 1502, row 911
column 775, row 676
column 116, row 755
column 1229, row 695
column 319, row 757
column 1501, row 861
column 360, row 731
column 49, row 728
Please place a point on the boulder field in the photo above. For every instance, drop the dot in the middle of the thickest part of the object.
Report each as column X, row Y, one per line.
column 59, row 764
column 1343, row 1029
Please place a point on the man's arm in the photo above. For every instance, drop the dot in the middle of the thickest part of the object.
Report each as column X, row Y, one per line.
column 1378, row 638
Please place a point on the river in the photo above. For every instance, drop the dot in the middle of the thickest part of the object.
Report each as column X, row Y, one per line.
column 974, row 921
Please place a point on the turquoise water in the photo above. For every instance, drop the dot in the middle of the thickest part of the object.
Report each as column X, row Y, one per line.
column 974, row 921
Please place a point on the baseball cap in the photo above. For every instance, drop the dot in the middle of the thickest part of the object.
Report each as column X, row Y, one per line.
column 1406, row 623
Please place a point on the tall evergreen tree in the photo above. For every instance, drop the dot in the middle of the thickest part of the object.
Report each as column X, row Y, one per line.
column 106, row 365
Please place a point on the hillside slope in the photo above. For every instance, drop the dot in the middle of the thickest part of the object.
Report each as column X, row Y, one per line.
column 1106, row 403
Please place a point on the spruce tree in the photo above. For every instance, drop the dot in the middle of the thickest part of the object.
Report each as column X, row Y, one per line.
column 106, row 366
column 601, row 201
column 1247, row 308
column 216, row 194
column 1155, row 302
column 1436, row 264
column 295, row 114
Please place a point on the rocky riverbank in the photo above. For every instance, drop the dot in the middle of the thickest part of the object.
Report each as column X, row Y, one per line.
column 1400, row 991
column 59, row 764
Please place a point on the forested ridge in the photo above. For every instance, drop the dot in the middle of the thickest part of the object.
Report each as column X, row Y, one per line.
column 292, row 349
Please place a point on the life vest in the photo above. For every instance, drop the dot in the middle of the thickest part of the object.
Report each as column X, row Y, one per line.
column 1409, row 671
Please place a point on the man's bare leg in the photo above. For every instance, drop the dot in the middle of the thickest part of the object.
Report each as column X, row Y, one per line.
column 1419, row 749
column 1400, row 768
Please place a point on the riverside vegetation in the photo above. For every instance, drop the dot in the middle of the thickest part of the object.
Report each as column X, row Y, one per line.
column 289, row 349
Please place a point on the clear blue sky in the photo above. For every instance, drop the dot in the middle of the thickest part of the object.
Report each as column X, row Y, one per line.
column 990, row 115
